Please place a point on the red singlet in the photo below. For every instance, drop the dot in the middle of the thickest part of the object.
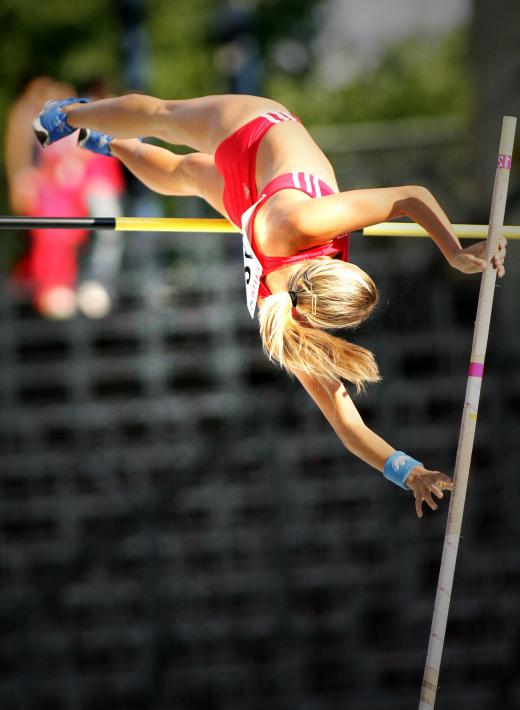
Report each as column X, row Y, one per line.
column 235, row 159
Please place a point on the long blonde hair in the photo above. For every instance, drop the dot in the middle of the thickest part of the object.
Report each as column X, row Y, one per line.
column 329, row 294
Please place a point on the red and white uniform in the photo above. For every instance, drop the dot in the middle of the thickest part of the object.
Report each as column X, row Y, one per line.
column 235, row 159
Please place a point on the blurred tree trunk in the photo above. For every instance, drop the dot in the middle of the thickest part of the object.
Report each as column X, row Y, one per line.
column 496, row 71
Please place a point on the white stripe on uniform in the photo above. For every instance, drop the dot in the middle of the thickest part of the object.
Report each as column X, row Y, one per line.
column 270, row 118
column 296, row 180
column 307, row 182
column 317, row 187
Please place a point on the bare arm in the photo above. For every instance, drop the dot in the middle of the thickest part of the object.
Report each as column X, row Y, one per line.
column 319, row 220
column 340, row 411
column 326, row 217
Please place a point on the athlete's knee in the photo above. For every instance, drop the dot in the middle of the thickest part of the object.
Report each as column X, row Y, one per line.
column 141, row 103
column 155, row 111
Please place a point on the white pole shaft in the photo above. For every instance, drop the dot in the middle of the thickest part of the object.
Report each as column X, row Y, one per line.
column 468, row 424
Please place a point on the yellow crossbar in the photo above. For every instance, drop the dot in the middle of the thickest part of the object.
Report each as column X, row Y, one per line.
column 180, row 224
column 384, row 229
column 410, row 229
column 173, row 224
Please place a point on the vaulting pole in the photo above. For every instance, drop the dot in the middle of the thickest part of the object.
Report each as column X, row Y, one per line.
column 178, row 224
column 469, row 420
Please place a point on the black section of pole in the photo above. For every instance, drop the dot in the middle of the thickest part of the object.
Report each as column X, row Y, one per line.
column 57, row 222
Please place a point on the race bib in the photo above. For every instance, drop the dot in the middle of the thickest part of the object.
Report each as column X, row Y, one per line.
column 252, row 266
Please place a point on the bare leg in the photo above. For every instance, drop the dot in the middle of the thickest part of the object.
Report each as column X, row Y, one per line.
column 169, row 174
column 199, row 123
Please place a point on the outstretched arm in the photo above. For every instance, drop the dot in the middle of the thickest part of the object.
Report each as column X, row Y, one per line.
column 340, row 411
column 320, row 220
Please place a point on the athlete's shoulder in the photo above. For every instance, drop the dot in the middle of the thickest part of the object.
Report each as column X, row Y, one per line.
column 277, row 230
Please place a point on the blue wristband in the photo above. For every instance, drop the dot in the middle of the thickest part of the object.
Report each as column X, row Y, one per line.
column 398, row 466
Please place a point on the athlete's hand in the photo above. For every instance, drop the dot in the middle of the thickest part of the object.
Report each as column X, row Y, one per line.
column 472, row 259
column 426, row 484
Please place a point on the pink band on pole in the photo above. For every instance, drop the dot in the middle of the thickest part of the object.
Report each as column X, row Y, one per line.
column 504, row 161
column 476, row 369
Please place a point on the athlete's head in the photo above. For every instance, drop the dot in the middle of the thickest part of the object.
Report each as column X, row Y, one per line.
column 322, row 294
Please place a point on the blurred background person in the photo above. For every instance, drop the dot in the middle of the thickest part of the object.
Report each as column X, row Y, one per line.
column 63, row 181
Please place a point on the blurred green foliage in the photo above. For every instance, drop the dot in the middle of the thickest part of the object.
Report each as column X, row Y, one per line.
column 181, row 56
column 417, row 77
column 71, row 41
column 277, row 20
column 78, row 42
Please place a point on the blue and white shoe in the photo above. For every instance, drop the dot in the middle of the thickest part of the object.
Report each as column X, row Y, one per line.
column 94, row 141
column 51, row 123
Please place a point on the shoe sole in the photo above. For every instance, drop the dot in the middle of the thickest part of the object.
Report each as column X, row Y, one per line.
column 42, row 134
column 83, row 137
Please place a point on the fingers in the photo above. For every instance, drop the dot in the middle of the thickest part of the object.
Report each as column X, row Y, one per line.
column 499, row 258
column 428, row 485
column 429, row 501
column 425, row 498
column 437, row 492
column 444, row 482
column 423, row 495
column 472, row 260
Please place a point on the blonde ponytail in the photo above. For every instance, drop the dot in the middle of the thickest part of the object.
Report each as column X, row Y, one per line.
column 329, row 295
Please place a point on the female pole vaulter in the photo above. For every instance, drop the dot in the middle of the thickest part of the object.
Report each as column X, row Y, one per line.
column 258, row 166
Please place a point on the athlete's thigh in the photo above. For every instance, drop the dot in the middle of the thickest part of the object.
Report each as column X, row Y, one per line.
column 204, row 122
column 202, row 179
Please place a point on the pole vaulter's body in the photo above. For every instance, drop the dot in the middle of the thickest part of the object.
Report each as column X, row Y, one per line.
column 257, row 165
